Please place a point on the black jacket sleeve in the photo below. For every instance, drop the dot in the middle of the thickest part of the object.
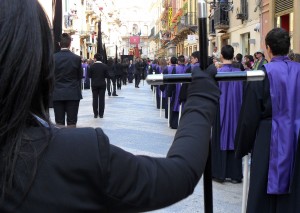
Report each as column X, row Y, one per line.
column 255, row 106
column 141, row 183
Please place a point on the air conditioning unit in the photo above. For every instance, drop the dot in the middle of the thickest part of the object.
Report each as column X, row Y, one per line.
column 240, row 16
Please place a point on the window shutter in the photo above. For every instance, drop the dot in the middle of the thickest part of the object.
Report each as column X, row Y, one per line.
column 283, row 6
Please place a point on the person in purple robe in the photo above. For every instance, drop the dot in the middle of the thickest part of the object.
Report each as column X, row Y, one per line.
column 161, row 68
column 168, row 70
column 152, row 69
column 86, row 79
column 195, row 58
column 174, row 91
column 224, row 164
column 268, row 127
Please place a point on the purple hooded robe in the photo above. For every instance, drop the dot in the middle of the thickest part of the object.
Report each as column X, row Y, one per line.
column 284, row 77
column 230, row 105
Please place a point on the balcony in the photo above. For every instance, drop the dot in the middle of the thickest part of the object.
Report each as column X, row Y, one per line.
column 188, row 22
column 221, row 18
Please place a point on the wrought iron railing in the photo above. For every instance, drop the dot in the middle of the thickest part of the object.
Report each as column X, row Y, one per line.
column 221, row 17
column 187, row 20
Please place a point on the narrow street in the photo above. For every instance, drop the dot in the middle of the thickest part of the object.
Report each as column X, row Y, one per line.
column 133, row 123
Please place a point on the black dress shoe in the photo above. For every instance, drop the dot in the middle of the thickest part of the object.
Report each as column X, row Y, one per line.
column 95, row 116
column 218, row 180
column 109, row 94
column 101, row 116
column 114, row 95
column 235, row 181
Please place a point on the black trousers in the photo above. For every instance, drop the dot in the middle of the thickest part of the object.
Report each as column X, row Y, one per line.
column 137, row 78
column 61, row 108
column 98, row 100
column 124, row 78
column 108, row 85
column 119, row 81
column 130, row 77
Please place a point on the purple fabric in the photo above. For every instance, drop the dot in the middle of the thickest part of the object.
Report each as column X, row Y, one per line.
column 230, row 105
column 154, row 67
column 164, row 93
column 180, row 69
column 85, row 66
column 170, row 68
column 284, row 77
column 194, row 65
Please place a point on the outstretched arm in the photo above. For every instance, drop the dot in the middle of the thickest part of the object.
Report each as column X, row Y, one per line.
column 141, row 183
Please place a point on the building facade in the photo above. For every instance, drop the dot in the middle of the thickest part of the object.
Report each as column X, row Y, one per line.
column 240, row 23
column 170, row 27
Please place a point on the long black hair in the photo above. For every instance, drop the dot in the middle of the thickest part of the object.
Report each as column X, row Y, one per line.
column 26, row 78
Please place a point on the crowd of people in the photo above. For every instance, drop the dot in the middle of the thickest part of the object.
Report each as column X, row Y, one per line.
column 49, row 168
column 245, row 115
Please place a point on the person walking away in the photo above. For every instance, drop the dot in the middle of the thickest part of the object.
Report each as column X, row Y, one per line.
column 173, row 91
column 138, row 71
column 161, row 92
column 119, row 73
column 67, row 86
column 125, row 64
column 131, row 71
column 224, row 164
column 98, row 73
column 111, row 80
column 86, row 79
column 269, row 128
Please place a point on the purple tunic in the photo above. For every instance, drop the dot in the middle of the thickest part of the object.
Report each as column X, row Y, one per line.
column 154, row 66
column 84, row 67
column 230, row 105
column 164, row 93
column 180, row 69
column 194, row 65
column 170, row 68
column 284, row 77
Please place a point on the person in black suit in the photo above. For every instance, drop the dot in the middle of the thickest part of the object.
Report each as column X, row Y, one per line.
column 131, row 71
column 119, row 73
column 111, row 80
column 67, row 86
column 139, row 66
column 125, row 64
column 98, row 73
column 48, row 169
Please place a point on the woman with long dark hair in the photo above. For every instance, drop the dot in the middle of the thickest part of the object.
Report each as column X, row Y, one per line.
column 49, row 169
column 26, row 78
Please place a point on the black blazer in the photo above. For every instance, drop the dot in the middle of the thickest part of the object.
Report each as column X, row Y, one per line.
column 79, row 171
column 119, row 69
column 98, row 72
column 68, row 74
column 131, row 68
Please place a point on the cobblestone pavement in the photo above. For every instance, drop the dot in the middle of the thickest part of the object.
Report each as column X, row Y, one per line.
column 133, row 123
